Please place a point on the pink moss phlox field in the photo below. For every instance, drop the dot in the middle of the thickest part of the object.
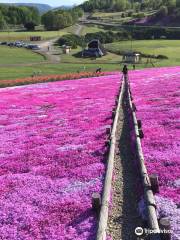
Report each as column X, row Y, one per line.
column 52, row 156
column 156, row 93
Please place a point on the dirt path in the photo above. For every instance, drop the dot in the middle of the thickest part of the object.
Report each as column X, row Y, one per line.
column 48, row 50
column 124, row 216
column 50, row 53
column 79, row 29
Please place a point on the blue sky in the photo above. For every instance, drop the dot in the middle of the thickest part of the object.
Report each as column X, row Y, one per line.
column 50, row 2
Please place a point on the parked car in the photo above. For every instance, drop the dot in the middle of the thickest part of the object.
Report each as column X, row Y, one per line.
column 25, row 45
column 33, row 47
column 3, row 43
column 11, row 44
column 19, row 45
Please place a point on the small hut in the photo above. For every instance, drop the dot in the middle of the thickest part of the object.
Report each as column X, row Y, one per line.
column 95, row 49
column 35, row 38
column 66, row 49
column 131, row 57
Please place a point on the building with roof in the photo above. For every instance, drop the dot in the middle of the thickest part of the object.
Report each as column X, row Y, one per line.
column 66, row 49
column 131, row 57
column 95, row 49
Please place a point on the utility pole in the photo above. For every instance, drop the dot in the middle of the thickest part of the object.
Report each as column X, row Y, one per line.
column 132, row 3
column 132, row 37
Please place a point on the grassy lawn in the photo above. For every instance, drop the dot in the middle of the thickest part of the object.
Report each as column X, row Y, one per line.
column 69, row 63
column 18, row 55
column 45, row 69
column 113, row 17
column 92, row 29
column 13, row 36
column 45, row 35
column 106, row 14
column 169, row 48
column 70, row 58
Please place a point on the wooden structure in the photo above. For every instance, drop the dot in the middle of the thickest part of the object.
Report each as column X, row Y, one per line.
column 103, row 218
column 154, row 183
column 131, row 57
column 66, row 49
column 35, row 38
column 96, row 202
column 148, row 194
column 165, row 227
column 95, row 49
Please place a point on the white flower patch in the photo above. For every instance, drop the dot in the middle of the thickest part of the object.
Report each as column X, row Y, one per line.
column 80, row 186
column 42, row 116
column 177, row 183
column 70, row 147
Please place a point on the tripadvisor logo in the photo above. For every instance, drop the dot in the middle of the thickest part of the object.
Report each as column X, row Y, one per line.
column 139, row 231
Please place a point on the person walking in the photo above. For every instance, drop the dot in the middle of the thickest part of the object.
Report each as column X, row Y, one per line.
column 98, row 70
column 125, row 70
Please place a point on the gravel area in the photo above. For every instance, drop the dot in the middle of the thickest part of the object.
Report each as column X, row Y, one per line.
column 124, row 217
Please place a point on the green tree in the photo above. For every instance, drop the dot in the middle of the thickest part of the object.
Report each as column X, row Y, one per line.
column 163, row 11
column 55, row 20
column 178, row 3
column 30, row 26
column 2, row 21
column 171, row 4
column 120, row 5
column 48, row 20
column 137, row 6
column 19, row 15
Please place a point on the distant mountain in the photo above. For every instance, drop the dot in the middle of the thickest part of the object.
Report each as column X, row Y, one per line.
column 64, row 7
column 41, row 7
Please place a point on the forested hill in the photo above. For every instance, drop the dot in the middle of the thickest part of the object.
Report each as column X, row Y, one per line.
column 41, row 7
column 165, row 11
column 121, row 5
column 18, row 15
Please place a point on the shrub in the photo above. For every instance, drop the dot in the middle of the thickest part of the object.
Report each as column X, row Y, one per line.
column 163, row 11
column 139, row 15
column 108, row 37
column 130, row 13
column 178, row 3
column 123, row 15
column 161, row 57
column 30, row 26
column 70, row 40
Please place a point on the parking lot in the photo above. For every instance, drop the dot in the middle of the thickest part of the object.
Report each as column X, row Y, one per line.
column 21, row 44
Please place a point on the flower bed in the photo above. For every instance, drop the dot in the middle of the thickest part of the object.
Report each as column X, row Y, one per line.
column 53, row 157
column 50, row 78
column 156, row 95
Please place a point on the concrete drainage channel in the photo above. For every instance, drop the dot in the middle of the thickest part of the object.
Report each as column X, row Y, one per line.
column 149, row 184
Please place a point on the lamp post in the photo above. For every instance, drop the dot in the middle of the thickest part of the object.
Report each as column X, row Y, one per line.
column 8, row 34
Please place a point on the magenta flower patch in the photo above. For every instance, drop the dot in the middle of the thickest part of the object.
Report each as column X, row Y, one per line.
column 157, row 97
column 52, row 157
